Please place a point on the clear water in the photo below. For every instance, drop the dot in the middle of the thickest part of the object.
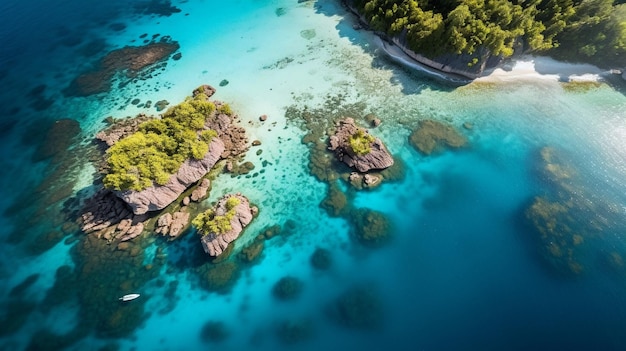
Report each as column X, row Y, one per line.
column 462, row 271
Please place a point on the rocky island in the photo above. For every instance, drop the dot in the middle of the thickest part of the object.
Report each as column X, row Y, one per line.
column 150, row 162
column 223, row 223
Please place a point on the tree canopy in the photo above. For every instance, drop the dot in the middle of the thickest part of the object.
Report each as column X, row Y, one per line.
column 160, row 146
column 589, row 30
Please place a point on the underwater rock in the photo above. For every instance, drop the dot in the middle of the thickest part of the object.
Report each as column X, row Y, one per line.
column 358, row 308
column 335, row 203
column 218, row 277
column 102, row 211
column 161, row 105
column 568, row 219
column 294, row 330
column 222, row 224
column 321, row 259
column 131, row 59
column 371, row 228
column 287, row 288
column 158, row 197
column 252, row 251
column 430, row 136
column 58, row 139
column 357, row 148
column 214, row 332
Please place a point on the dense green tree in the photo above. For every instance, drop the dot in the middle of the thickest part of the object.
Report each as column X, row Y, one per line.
column 160, row 146
column 593, row 30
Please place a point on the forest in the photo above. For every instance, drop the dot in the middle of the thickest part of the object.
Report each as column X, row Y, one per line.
column 592, row 31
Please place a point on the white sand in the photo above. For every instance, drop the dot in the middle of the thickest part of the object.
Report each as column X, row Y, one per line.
column 544, row 68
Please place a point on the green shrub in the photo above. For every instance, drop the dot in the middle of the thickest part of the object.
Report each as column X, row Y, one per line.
column 160, row 146
column 209, row 222
column 360, row 142
column 225, row 109
column 232, row 202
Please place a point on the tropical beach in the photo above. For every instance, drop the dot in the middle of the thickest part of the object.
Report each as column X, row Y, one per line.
column 276, row 176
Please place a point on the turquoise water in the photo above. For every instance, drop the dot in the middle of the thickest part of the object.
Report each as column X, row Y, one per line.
column 464, row 268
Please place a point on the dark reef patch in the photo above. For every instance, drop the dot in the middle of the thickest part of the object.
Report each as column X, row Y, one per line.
column 162, row 8
column 358, row 307
column 321, row 259
column 287, row 288
column 23, row 287
column 133, row 61
column 294, row 331
column 214, row 332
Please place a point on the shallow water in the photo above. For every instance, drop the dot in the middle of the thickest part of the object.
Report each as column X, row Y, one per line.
column 464, row 268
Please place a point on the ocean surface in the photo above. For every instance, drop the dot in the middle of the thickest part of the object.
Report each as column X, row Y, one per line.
column 466, row 266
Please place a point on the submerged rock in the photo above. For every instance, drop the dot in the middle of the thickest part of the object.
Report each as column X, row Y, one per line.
column 371, row 228
column 321, row 259
column 222, row 224
column 214, row 332
column 432, row 136
column 131, row 59
column 357, row 148
column 287, row 288
column 294, row 330
column 359, row 308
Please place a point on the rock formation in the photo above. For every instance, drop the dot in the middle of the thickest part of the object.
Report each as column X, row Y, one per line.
column 158, row 197
column 242, row 214
column 109, row 218
column 121, row 129
column 172, row 225
column 374, row 157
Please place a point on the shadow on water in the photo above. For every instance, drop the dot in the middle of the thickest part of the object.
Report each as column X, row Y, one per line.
column 406, row 75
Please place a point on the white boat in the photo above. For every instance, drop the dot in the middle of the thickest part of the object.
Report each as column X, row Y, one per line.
column 129, row 297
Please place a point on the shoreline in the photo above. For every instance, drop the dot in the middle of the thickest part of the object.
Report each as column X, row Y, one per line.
column 517, row 67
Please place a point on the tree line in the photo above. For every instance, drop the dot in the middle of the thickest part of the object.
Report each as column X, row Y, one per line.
column 591, row 31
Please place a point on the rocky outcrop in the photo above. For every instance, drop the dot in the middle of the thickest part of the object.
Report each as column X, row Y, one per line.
column 201, row 190
column 172, row 225
column 158, row 197
column 233, row 136
column 204, row 89
column 108, row 217
column 376, row 157
column 121, row 129
column 215, row 243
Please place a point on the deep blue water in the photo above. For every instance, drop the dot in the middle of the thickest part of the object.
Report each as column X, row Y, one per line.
column 465, row 268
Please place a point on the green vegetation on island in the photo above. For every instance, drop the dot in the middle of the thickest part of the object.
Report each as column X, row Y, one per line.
column 209, row 222
column 360, row 142
column 592, row 31
column 160, row 146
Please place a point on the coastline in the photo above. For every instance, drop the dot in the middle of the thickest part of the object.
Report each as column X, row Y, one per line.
column 517, row 67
